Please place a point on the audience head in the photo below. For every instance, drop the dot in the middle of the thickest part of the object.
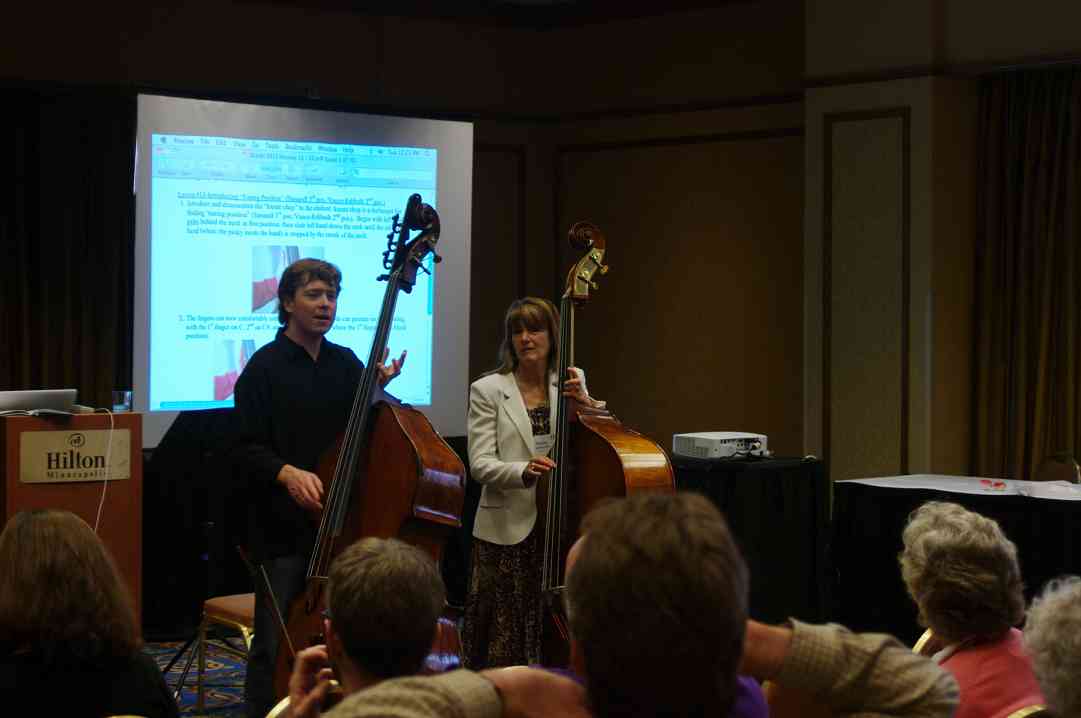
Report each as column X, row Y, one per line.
column 657, row 605
column 962, row 572
column 61, row 597
column 384, row 598
column 1060, row 466
column 1053, row 639
column 534, row 314
column 298, row 274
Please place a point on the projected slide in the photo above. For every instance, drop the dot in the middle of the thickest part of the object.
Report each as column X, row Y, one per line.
column 228, row 214
column 227, row 194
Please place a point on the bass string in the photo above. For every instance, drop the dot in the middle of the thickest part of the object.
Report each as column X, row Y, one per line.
column 337, row 499
column 556, row 509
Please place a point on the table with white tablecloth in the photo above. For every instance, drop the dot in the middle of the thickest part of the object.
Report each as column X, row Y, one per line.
column 1042, row 518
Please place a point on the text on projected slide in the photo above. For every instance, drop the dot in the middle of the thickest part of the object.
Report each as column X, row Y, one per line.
column 289, row 217
column 228, row 215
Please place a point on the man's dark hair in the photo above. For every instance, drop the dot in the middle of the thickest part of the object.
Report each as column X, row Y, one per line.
column 385, row 598
column 299, row 273
column 657, row 601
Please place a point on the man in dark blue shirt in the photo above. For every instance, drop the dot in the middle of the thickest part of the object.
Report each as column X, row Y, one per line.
column 292, row 401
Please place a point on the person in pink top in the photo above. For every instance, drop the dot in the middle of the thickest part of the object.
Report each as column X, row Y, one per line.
column 964, row 576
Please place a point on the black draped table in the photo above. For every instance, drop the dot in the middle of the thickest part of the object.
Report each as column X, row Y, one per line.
column 778, row 510
column 1042, row 518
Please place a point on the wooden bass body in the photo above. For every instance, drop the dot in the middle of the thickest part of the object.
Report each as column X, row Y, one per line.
column 606, row 460
column 411, row 487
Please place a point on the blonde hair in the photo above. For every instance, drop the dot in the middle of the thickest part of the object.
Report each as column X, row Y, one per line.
column 962, row 572
column 1053, row 639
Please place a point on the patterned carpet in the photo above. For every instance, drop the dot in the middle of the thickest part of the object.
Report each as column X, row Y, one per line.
column 223, row 680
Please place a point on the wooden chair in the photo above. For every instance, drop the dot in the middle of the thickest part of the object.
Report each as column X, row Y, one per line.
column 1034, row 711
column 236, row 612
column 922, row 648
column 280, row 709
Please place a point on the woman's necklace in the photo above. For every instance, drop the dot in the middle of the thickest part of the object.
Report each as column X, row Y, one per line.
column 533, row 395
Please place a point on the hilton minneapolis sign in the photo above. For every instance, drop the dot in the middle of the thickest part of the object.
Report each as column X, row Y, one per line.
column 56, row 457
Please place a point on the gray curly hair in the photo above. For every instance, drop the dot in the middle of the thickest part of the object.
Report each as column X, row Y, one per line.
column 962, row 572
column 1053, row 639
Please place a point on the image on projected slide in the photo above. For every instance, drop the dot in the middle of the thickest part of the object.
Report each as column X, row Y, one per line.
column 231, row 356
column 267, row 265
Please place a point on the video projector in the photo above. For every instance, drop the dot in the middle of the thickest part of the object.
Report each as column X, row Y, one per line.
column 719, row 444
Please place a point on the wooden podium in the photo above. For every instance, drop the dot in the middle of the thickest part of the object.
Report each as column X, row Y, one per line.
column 59, row 462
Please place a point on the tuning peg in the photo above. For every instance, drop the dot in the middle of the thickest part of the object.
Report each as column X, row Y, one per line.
column 603, row 269
column 435, row 258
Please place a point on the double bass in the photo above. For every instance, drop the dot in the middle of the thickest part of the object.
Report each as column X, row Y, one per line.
column 390, row 474
column 596, row 456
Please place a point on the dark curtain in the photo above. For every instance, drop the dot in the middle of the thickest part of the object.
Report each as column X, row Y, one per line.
column 1028, row 305
column 66, row 228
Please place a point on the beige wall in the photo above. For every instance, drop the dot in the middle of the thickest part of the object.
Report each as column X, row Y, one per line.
column 697, row 326
column 866, row 217
column 888, row 279
column 953, row 161
column 1001, row 31
column 264, row 50
column 906, row 46
column 411, row 64
column 513, row 228
column 848, row 37
column 741, row 51
column 852, row 37
column 681, row 136
column 731, row 245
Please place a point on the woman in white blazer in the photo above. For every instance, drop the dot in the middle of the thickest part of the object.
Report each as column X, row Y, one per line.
column 511, row 425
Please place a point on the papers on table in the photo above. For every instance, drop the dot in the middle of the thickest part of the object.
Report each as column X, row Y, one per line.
column 1055, row 490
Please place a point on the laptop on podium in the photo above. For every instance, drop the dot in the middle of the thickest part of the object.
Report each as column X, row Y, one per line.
column 37, row 401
